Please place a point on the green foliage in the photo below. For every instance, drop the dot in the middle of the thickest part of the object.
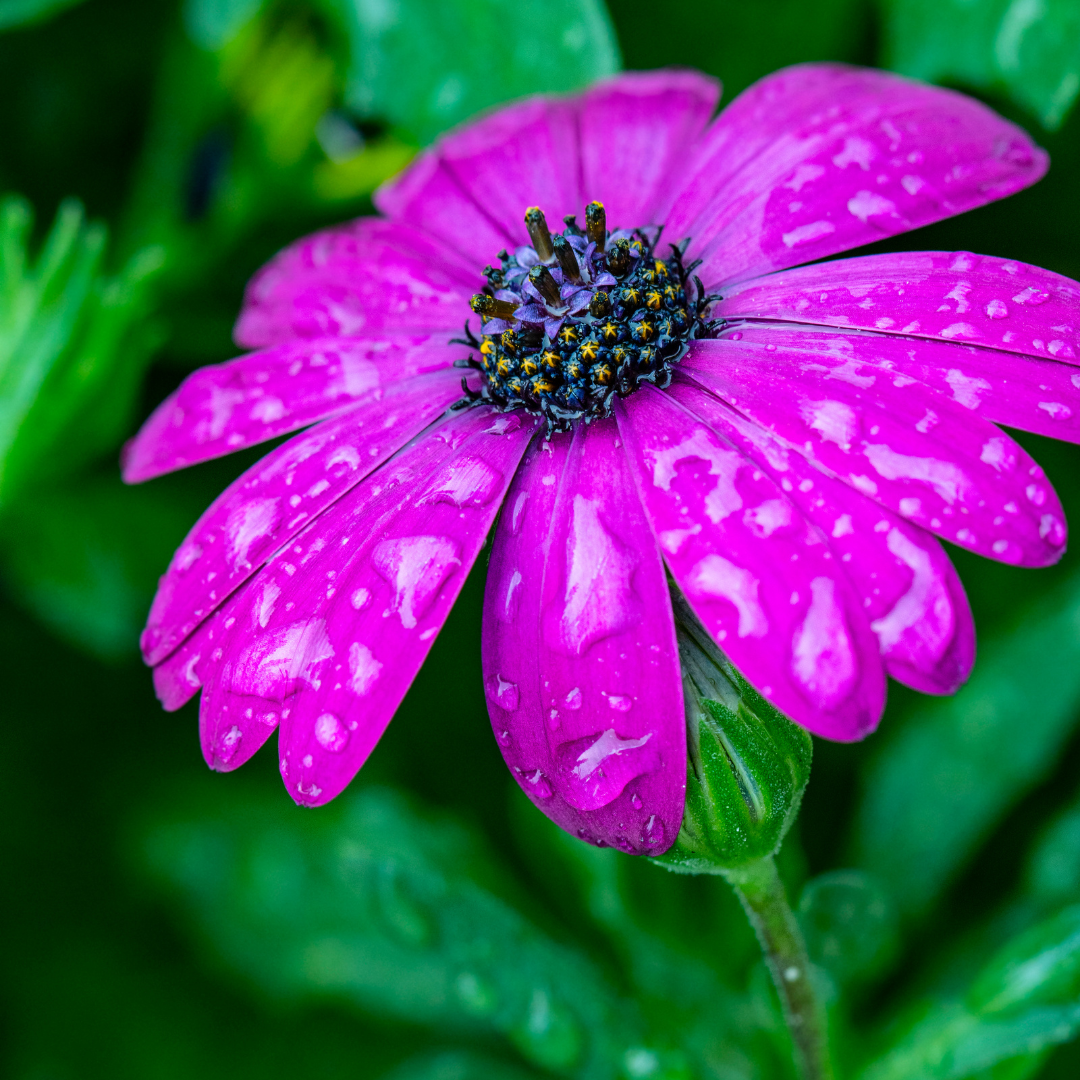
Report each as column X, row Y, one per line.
column 73, row 344
column 850, row 925
column 403, row 914
column 85, row 558
column 21, row 12
column 940, row 782
column 1026, row 1000
column 1029, row 49
column 465, row 55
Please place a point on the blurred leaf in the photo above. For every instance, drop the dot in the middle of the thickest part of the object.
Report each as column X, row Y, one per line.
column 85, row 560
column 850, row 924
column 456, row 1065
column 21, row 12
column 1029, row 48
column 948, row 773
column 371, row 903
column 73, row 344
column 1052, row 875
column 1026, row 1000
column 425, row 65
column 212, row 24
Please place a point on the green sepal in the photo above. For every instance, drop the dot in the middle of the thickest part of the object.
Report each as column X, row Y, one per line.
column 748, row 764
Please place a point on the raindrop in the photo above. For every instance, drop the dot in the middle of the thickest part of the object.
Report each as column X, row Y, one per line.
column 653, row 834
column 330, row 733
column 502, row 692
column 228, row 744
column 503, row 738
column 635, row 801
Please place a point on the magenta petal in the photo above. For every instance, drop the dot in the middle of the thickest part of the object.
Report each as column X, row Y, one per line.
column 369, row 277
column 762, row 582
column 952, row 296
column 276, row 498
column 914, row 451
column 220, row 409
column 522, row 155
column 910, row 591
column 636, row 131
column 878, row 155
column 594, row 731
column 429, row 196
column 359, row 596
column 1019, row 391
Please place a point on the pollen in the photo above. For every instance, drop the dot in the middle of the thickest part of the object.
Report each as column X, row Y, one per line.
column 580, row 317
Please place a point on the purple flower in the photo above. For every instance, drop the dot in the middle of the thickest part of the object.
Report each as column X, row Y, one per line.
column 786, row 453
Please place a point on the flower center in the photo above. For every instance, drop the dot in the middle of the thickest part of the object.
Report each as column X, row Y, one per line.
column 578, row 317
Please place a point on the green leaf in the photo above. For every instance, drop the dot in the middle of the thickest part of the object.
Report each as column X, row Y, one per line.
column 1028, row 48
column 457, row 1065
column 1052, row 874
column 950, row 771
column 371, row 903
column 21, row 12
column 425, row 65
column 850, row 924
column 1025, row 1001
column 73, row 345
column 85, row 559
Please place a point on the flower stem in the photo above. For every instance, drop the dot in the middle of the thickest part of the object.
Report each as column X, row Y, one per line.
column 761, row 891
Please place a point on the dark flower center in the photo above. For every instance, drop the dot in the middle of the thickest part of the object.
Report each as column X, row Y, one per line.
column 578, row 317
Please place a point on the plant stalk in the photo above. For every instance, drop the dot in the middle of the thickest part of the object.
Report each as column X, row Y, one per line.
column 762, row 894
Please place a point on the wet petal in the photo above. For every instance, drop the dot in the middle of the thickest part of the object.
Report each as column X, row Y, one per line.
column 636, row 131
column 914, row 451
column 910, row 591
column 361, row 594
column 429, row 196
column 522, row 155
column 951, row 296
column 609, row 693
column 227, row 407
column 763, row 583
column 1019, row 391
column 276, row 498
column 369, row 277
column 841, row 157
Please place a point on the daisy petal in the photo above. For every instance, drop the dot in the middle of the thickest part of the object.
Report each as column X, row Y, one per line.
column 369, row 277
column 523, row 155
column 910, row 591
column 914, row 451
column 636, row 130
column 223, row 408
column 1042, row 396
column 275, row 499
column 878, row 155
column 360, row 596
column 429, row 196
column 761, row 581
column 610, row 691
column 951, row 296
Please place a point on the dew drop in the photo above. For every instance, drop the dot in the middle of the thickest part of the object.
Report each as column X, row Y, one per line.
column 503, row 738
column 653, row 834
column 620, row 703
column 635, row 801
column 573, row 699
column 228, row 744
column 330, row 733
column 502, row 692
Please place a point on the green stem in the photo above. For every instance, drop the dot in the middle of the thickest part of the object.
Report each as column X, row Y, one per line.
column 761, row 891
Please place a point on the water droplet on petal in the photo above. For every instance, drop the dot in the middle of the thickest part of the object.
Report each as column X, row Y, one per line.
column 502, row 692
column 635, row 801
column 464, row 482
column 228, row 744
column 573, row 699
column 417, row 567
column 653, row 834
column 330, row 733
column 503, row 738
column 620, row 703
column 599, row 767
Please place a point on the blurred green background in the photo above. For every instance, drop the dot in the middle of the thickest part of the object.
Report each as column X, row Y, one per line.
column 162, row 921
